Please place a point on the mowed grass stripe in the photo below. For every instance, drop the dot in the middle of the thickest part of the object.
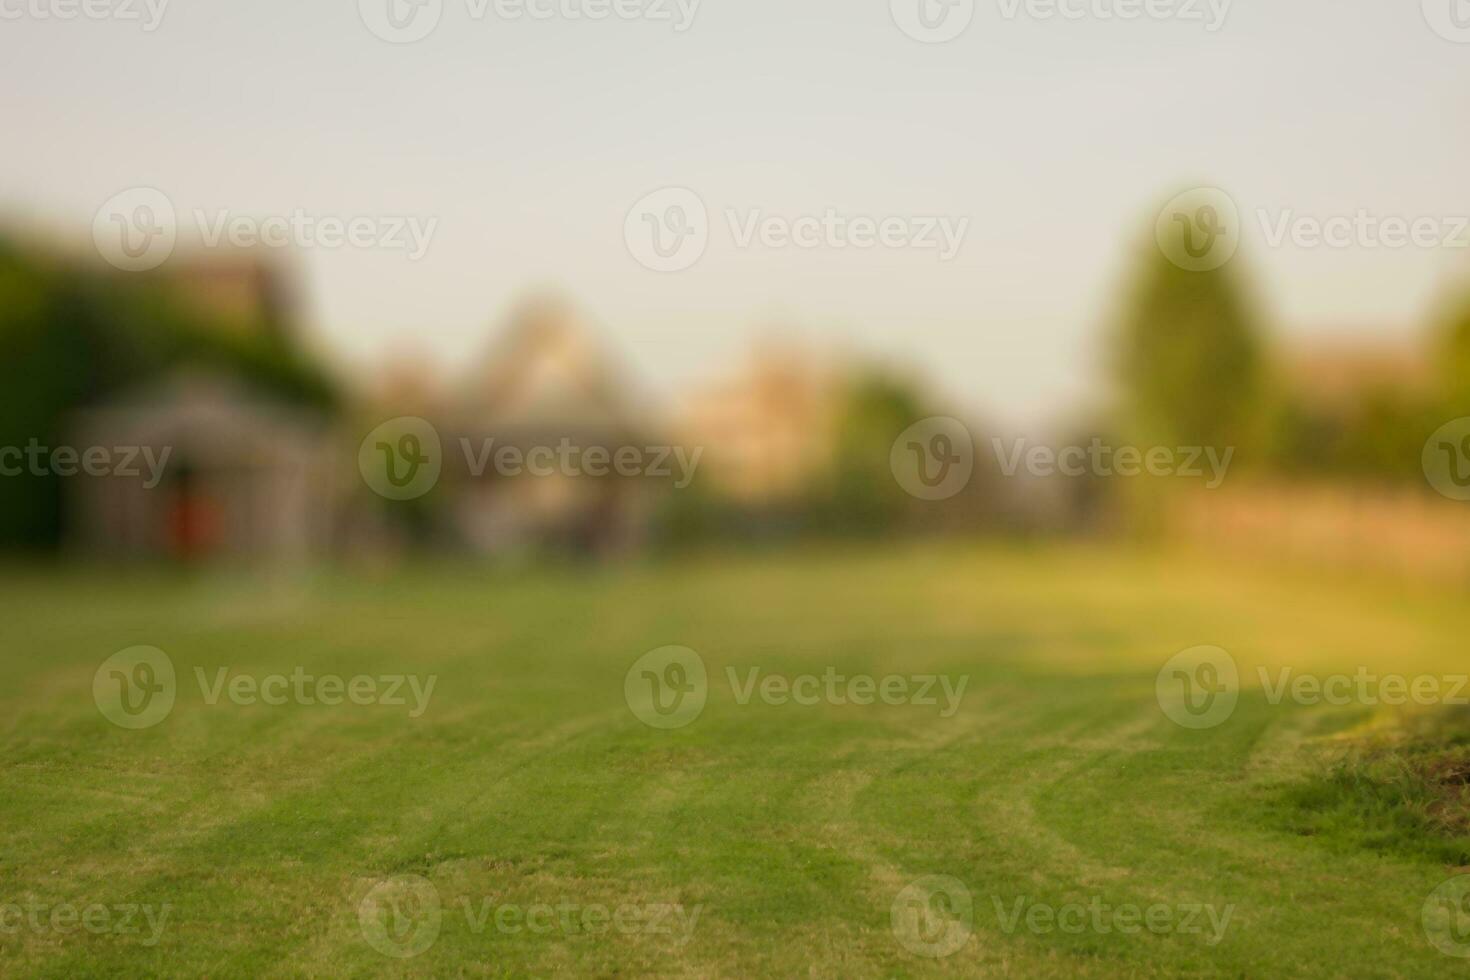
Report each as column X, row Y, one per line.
column 528, row 781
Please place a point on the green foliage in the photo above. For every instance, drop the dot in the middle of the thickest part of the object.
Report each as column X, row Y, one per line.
column 1378, row 433
column 1405, row 792
column 71, row 337
column 527, row 780
column 1192, row 369
column 862, row 495
column 1378, row 436
column 853, row 495
column 1189, row 360
column 1452, row 356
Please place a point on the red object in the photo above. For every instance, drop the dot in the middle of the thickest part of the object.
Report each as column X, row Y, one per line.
column 194, row 525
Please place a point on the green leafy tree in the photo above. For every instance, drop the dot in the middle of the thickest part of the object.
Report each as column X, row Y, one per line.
column 1189, row 356
column 1452, row 344
column 72, row 336
column 862, row 496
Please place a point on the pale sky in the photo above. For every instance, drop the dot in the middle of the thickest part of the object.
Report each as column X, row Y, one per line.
column 530, row 140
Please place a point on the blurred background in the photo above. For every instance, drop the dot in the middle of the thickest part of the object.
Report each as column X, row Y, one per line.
column 171, row 288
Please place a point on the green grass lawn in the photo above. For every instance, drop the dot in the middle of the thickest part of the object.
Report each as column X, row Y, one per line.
column 790, row 828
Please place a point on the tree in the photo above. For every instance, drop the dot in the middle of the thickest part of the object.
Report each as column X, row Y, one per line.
column 1189, row 359
column 863, row 496
column 1452, row 344
column 72, row 336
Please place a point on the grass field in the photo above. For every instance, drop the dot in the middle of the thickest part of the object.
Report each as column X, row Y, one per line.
column 791, row 829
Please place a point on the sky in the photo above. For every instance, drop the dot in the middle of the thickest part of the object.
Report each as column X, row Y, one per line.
column 530, row 140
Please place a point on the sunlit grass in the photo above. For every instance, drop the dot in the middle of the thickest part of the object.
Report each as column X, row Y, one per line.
column 792, row 828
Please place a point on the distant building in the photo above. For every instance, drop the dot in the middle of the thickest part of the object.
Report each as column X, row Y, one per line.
column 768, row 429
column 242, row 477
column 1335, row 373
column 547, row 385
column 1321, row 517
column 244, row 289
